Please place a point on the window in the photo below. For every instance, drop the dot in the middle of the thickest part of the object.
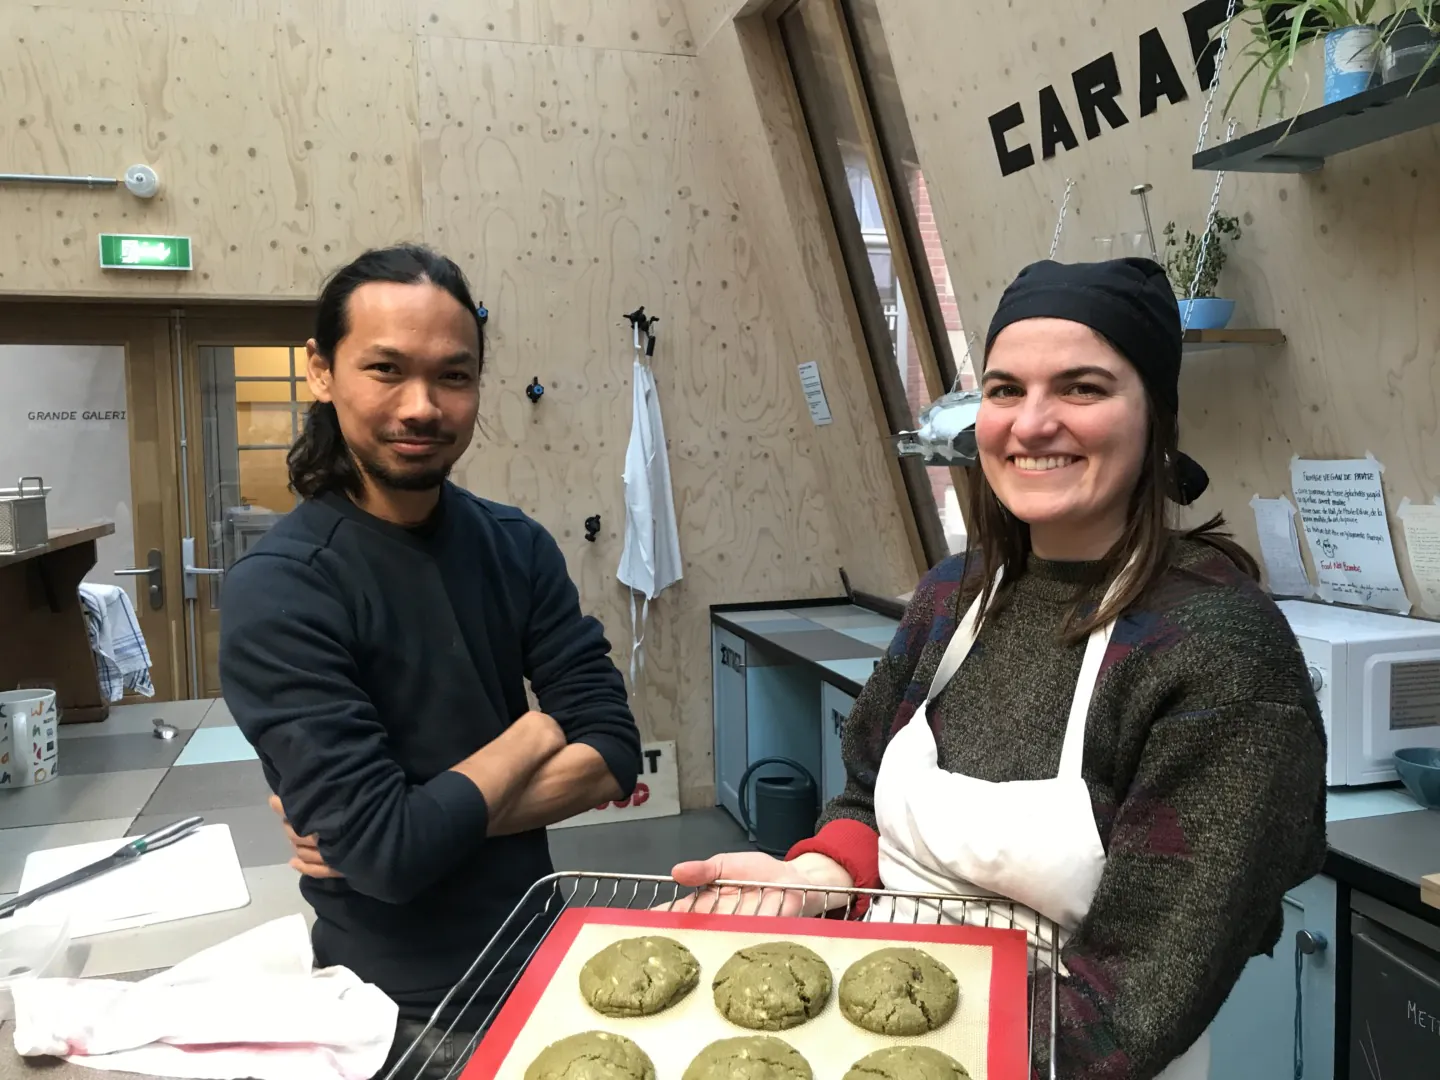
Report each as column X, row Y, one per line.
column 253, row 404
column 886, row 225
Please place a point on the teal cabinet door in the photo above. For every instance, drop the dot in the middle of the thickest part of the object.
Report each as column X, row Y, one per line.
column 1279, row 1021
column 730, row 717
column 835, row 706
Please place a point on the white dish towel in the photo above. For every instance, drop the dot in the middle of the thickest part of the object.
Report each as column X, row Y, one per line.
column 251, row 1006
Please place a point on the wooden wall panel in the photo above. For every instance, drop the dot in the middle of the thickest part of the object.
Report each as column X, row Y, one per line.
column 281, row 149
column 575, row 185
column 764, row 141
column 388, row 16
column 577, row 161
column 650, row 26
column 1346, row 261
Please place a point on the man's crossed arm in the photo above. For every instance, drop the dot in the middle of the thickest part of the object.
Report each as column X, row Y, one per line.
column 530, row 779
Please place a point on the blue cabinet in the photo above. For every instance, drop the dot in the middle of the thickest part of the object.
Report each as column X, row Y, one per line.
column 835, row 706
column 765, row 705
column 731, row 737
column 1255, row 1034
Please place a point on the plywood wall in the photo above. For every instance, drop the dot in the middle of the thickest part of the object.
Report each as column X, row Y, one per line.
column 572, row 156
column 280, row 146
column 1345, row 261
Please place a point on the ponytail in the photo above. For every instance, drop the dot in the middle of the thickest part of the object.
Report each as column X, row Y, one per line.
column 320, row 460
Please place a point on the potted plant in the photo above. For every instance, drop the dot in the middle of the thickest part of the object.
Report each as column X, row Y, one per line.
column 1203, row 310
column 1411, row 40
column 1350, row 29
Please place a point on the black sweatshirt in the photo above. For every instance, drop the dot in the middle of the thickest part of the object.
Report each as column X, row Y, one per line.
column 363, row 660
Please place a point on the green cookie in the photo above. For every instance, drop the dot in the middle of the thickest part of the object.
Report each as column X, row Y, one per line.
column 638, row 976
column 750, row 1057
column 907, row 1063
column 898, row 991
column 773, row 986
column 592, row 1055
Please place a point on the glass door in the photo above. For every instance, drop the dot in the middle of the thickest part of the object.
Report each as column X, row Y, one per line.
column 87, row 403
column 247, row 399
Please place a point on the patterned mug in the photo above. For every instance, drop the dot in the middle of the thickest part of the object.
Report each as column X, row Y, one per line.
column 29, row 741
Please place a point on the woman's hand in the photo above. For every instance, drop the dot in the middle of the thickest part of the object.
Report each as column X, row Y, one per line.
column 799, row 885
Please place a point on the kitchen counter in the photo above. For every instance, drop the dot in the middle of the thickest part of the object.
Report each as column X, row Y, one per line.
column 1386, row 855
column 840, row 641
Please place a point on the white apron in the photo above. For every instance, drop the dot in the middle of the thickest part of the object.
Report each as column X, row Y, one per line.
column 650, row 559
column 1031, row 841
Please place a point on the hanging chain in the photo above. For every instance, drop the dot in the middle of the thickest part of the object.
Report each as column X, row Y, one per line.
column 1203, row 257
column 965, row 360
column 1209, row 227
column 1064, row 203
column 1219, row 70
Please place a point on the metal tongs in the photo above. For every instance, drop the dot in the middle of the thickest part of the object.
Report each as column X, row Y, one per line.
column 126, row 855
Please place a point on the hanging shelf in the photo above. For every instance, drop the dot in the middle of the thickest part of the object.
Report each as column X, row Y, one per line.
column 1303, row 144
column 1204, row 340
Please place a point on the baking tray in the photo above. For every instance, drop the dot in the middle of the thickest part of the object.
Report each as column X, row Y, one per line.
column 988, row 1035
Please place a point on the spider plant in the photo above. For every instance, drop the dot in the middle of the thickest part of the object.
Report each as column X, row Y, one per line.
column 1279, row 28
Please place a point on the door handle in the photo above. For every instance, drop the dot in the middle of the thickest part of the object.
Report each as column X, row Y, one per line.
column 1307, row 943
column 190, row 571
column 156, row 590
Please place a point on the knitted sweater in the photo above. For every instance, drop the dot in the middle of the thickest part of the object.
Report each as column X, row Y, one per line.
column 1205, row 760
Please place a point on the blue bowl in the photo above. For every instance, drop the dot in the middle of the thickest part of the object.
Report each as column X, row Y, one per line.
column 1419, row 769
column 1207, row 313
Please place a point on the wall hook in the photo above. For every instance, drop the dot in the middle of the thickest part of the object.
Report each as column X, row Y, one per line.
column 592, row 527
column 640, row 323
column 535, row 391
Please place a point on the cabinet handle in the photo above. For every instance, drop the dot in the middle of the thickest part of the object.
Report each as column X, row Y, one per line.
column 1307, row 943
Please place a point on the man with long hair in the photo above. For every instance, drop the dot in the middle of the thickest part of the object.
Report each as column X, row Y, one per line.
column 375, row 648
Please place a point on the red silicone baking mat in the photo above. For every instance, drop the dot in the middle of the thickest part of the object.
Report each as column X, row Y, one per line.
column 988, row 1035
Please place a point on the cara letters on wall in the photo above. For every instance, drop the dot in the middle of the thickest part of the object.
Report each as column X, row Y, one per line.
column 1101, row 102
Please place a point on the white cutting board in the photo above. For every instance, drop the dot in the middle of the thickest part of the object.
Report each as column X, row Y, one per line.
column 198, row 875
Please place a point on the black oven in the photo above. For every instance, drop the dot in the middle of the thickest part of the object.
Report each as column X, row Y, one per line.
column 1394, row 994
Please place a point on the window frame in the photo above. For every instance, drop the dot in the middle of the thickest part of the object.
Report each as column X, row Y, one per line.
column 902, row 232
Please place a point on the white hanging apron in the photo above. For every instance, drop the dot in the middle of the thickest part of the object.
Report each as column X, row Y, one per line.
column 1031, row 841
column 650, row 559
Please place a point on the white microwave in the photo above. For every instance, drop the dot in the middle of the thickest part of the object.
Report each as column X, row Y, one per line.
column 1378, row 680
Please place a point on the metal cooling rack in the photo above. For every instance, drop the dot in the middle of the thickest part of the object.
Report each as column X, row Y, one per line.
column 509, row 951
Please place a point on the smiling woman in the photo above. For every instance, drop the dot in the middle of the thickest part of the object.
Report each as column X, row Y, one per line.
column 1090, row 713
column 1062, row 435
column 1082, row 370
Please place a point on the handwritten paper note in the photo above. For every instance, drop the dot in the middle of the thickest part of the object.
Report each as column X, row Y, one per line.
column 1280, row 547
column 1343, row 508
column 1422, row 540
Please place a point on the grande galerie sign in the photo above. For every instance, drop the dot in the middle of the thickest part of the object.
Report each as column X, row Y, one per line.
column 1099, row 94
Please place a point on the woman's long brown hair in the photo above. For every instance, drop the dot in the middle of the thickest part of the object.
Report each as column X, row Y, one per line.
column 1001, row 541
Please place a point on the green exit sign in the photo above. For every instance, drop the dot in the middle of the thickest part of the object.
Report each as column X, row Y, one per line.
column 122, row 252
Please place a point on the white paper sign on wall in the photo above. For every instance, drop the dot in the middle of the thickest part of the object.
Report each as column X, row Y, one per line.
column 814, row 393
column 1342, row 506
column 657, row 794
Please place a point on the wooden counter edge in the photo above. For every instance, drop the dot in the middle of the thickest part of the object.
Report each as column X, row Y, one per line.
column 1430, row 890
column 59, row 540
